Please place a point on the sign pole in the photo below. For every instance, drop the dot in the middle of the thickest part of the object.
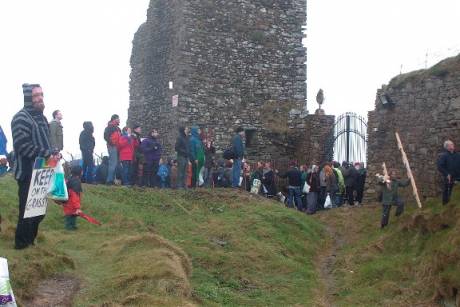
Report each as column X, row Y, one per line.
column 409, row 171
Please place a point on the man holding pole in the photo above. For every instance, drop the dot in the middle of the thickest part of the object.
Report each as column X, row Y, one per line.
column 448, row 165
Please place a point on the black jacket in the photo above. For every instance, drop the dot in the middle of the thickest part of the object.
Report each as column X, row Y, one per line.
column 182, row 146
column 294, row 176
column 350, row 175
column 268, row 180
column 313, row 182
column 449, row 164
column 87, row 141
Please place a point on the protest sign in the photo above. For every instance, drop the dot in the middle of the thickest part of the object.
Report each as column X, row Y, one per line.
column 38, row 191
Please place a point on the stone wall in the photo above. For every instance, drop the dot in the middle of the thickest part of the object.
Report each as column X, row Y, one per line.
column 232, row 63
column 425, row 112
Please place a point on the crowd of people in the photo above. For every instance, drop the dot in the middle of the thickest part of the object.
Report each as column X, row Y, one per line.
column 135, row 160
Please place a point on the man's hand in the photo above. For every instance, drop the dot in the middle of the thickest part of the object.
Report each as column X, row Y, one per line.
column 449, row 178
column 78, row 211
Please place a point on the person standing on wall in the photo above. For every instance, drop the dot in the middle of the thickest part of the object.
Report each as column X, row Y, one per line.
column 152, row 150
column 182, row 150
column 57, row 131
column 196, row 154
column 112, row 134
column 31, row 139
column 449, row 167
column 238, row 152
column 87, row 144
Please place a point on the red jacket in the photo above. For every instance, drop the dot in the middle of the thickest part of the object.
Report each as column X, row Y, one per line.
column 126, row 147
column 73, row 204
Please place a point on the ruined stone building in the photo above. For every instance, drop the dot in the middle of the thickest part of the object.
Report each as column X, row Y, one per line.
column 230, row 63
column 424, row 107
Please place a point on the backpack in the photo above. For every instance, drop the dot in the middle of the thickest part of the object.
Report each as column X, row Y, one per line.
column 229, row 154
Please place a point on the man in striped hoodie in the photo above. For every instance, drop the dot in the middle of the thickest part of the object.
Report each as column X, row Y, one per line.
column 30, row 140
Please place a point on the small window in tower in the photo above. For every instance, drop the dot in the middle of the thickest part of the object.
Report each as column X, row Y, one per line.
column 250, row 137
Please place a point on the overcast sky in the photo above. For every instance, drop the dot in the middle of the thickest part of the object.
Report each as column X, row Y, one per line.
column 80, row 50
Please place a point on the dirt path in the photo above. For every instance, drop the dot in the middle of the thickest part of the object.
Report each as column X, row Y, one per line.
column 343, row 228
column 56, row 291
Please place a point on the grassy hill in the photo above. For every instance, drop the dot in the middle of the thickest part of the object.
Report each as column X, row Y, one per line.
column 224, row 247
column 415, row 261
column 166, row 247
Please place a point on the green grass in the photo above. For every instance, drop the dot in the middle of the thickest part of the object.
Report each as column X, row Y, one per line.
column 219, row 247
column 413, row 262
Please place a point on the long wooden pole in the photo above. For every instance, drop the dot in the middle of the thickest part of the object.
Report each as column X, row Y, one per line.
column 409, row 171
column 385, row 174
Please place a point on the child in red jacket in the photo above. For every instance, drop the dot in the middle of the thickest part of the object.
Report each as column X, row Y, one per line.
column 72, row 206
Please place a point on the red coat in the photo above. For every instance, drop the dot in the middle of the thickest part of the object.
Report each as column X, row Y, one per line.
column 73, row 204
column 115, row 138
column 126, row 147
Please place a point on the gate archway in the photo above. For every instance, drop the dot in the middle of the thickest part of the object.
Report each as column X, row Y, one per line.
column 348, row 139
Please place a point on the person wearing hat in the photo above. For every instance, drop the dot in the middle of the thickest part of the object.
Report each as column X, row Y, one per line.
column 30, row 140
column 238, row 152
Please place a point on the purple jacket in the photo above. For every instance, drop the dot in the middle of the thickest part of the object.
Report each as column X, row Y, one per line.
column 151, row 149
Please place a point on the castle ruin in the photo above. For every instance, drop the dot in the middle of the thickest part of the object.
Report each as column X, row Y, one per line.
column 424, row 108
column 221, row 64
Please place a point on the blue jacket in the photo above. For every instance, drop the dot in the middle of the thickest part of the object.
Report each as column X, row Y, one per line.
column 163, row 172
column 238, row 146
column 3, row 142
column 151, row 149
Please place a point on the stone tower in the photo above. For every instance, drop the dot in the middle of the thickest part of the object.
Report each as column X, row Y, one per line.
column 231, row 63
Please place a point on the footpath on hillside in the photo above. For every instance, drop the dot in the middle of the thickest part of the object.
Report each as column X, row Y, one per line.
column 415, row 261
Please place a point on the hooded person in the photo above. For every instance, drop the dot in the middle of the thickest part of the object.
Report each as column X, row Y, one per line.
column 182, row 151
column 87, row 144
column 30, row 132
column 196, row 154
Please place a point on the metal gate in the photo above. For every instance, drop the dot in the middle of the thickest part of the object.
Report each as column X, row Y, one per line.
column 348, row 139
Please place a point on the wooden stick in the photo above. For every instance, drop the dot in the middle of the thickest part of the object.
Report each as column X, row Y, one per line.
column 385, row 174
column 409, row 171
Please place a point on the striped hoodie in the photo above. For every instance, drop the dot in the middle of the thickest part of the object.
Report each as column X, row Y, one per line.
column 30, row 131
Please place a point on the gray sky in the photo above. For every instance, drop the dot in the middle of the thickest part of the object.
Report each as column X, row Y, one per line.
column 80, row 50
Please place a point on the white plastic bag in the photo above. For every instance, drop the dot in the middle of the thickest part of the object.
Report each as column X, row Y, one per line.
column 201, row 177
column 306, row 188
column 328, row 202
column 58, row 188
column 256, row 186
column 6, row 293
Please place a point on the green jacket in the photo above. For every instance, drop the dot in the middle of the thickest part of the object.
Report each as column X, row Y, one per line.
column 56, row 135
column 389, row 196
column 340, row 180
